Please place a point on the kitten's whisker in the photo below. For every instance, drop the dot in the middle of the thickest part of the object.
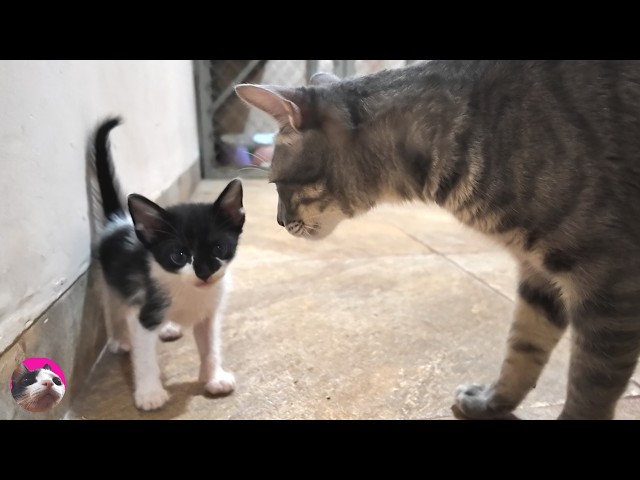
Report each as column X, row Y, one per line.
column 166, row 232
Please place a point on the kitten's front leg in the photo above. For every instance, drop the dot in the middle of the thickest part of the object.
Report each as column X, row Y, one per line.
column 149, row 393
column 539, row 323
column 207, row 334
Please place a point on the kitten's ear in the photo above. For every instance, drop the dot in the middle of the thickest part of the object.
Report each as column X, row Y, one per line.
column 147, row 217
column 46, row 366
column 278, row 102
column 323, row 78
column 19, row 372
column 230, row 202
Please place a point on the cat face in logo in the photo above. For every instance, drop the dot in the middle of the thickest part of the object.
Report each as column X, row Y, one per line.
column 36, row 390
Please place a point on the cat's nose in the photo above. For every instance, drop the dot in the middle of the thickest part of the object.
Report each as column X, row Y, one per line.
column 47, row 383
column 203, row 275
column 280, row 222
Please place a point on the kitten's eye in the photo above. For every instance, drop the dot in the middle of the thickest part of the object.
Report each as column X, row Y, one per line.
column 179, row 258
column 57, row 381
column 220, row 250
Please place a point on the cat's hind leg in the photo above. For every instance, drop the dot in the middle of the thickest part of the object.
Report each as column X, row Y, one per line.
column 115, row 313
column 540, row 320
column 217, row 381
column 605, row 350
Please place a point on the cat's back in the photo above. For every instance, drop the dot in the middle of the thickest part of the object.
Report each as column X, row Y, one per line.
column 554, row 146
column 557, row 116
column 560, row 145
column 586, row 75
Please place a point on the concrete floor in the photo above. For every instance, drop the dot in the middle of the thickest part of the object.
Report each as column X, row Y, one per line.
column 382, row 320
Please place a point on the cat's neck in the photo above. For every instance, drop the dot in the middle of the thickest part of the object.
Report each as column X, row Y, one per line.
column 410, row 132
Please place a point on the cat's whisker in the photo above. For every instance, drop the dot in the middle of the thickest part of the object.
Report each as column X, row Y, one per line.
column 258, row 167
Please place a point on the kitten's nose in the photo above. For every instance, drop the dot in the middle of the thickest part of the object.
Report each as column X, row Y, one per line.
column 47, row 383
column 203, row 275
column 203, row 272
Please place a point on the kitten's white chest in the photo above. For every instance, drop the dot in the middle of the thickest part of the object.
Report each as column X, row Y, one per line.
column 191, row 304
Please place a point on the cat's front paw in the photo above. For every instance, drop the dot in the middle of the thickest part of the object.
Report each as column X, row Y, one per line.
column 151, row 399
column 222, row 383
column 479, row 402
column 170, row 332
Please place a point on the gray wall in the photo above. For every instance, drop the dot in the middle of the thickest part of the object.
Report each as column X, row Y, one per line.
column 47, row 110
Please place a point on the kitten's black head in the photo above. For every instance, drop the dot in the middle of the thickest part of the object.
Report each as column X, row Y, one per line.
column 36, row 390
column 204, row 236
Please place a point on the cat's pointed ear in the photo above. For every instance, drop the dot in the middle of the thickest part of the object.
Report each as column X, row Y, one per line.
column 230, row 202
column 323, row 78
column 19, row 372
column 278, row 102
column 46, row 366
column 147, row 217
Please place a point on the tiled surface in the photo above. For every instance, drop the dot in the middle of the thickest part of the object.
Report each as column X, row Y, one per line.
column 382, row 320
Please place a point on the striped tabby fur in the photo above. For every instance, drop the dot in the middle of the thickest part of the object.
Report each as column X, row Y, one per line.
column 542, row 155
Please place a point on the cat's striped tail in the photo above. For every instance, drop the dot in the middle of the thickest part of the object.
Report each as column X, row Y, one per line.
column 109, row 190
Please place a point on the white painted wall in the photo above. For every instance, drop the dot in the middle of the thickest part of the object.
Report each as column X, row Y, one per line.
column 47, row 111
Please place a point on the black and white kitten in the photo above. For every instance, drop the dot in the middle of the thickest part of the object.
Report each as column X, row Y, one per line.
column 163, row 265
column 36, row 390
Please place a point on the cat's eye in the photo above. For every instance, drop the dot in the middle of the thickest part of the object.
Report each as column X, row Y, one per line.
column 179, row 258
column 57, row 381
column 220, row 250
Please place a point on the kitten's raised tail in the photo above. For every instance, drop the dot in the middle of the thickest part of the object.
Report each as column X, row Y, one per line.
column 111, row 203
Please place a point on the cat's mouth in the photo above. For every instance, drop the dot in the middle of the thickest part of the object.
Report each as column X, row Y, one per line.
column 299, row 229
column 41, row 401
column 52, row 394
column 212, row 280
column 315, row 231
column 44, row 397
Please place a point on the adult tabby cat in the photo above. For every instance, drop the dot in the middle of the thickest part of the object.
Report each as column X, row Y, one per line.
column 542, row 155
column 161, row 265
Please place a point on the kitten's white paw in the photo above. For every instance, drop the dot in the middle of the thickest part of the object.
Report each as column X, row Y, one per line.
column 151, row 399
column 481, row 402
column 170, row 332
column 118, row 346
column 222, row 383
